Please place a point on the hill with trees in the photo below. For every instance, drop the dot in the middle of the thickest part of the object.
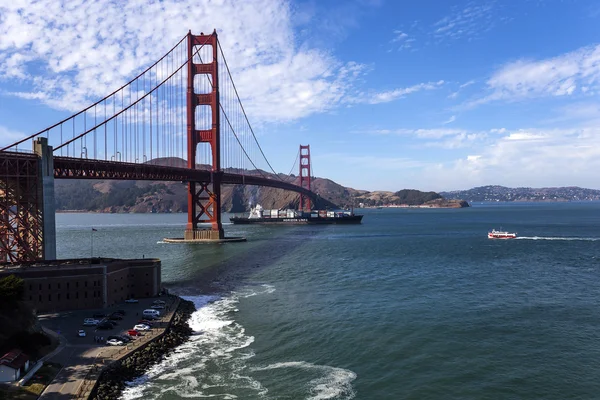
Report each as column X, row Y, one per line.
column 164, row 197
column 18, row 324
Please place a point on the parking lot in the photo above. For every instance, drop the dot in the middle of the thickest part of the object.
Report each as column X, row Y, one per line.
column 81, row 353
column 69, row 323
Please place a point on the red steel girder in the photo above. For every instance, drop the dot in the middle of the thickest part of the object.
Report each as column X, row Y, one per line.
column 21, row 219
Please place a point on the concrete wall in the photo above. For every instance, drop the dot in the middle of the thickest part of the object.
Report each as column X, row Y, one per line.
column 71, row 285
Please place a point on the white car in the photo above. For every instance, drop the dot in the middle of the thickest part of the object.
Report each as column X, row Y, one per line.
column 90, row 322
column 131, row 301
column 141, row 327
column 81, row 333
column 114, row 342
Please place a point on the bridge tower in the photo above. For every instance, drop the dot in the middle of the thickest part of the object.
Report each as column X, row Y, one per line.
column 204, row 198
column 304, row 176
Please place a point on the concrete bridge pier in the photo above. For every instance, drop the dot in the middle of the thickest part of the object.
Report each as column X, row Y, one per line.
column 46, row 199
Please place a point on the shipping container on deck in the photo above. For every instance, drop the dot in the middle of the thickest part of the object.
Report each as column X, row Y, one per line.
column 274, row 213
column 322, row 213
column 314, row 215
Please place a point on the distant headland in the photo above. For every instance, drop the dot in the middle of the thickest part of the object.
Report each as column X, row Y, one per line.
column 495, row 193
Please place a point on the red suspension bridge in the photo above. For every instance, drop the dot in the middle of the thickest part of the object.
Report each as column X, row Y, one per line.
column 184, row 106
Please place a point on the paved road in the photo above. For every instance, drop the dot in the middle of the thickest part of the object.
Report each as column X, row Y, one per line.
column 81, row 353
column 70, row 378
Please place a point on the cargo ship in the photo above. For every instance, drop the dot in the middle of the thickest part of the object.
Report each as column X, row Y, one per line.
column 290, row 217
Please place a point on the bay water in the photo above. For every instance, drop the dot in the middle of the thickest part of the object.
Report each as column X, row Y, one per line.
column 411, row 304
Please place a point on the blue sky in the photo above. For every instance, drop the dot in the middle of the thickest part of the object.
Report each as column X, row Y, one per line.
column 432, row 95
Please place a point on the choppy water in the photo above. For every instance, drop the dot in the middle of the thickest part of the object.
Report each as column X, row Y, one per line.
column 412, row 304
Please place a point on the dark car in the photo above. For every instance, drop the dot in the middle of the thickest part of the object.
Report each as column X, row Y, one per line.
column 115, row 317
column 126, row 338
column 145, row 322
column 104, row 325
column 108, row 321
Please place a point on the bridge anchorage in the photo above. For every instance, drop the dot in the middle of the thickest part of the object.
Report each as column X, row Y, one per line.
column 181, row 120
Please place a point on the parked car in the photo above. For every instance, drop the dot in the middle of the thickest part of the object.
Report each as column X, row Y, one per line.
column 120, row 338
column 81, row 333
column 104, row 325
column 90, row 322
column 157, row 306
column 151, row 313
column 134, row 333
column 159, row 302
column 146, row 322
column 131, row 301
column 108, row 321
column 115, row 317
column 114, row 342
column 141, row 327
column 126, row 338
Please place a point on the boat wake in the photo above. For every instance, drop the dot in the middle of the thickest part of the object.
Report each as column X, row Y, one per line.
column 588, row 239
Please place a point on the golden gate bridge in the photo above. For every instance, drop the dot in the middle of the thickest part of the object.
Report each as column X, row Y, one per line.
column 185, row 106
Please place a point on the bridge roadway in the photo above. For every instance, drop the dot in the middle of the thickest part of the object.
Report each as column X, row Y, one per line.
column 81, row 168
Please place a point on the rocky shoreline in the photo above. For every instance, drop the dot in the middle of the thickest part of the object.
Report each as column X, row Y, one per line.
column 111, row 383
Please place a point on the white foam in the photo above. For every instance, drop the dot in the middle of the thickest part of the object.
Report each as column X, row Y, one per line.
column 216, row 359
column 198, row 365
column 590, row 239
column 335, row 383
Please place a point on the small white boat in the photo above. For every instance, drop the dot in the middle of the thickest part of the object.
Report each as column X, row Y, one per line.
column 494, row 234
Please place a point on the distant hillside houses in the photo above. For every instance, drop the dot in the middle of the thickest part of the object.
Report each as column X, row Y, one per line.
column 501, row 193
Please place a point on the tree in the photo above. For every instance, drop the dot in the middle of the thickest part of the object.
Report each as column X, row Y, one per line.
column 12, row 289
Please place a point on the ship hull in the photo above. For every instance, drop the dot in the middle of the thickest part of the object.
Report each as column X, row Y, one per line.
column 352, row 219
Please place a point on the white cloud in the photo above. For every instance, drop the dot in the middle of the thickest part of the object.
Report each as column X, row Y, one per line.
column 390, row 95
column 449, row 120
column 467, row 22
column 400, row 36
column 525, row 157
column 419, row 133
column 438, row 137
column 68, row 55
column 374, row 162
column 402, row 41
column 577, row 72
column 9, row 136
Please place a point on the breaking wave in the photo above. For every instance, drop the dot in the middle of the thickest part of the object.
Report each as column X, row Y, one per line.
column 213, row 360
column 334, row 383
